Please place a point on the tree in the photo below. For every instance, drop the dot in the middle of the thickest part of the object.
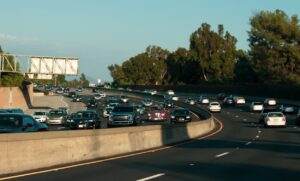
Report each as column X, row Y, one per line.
column 274, row 41
column 215, row 53
column 83, row 81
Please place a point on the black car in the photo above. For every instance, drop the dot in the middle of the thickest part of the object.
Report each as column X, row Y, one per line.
column 168, row 104
column 221, row 96
column 17, row 123
column 77, row 98
column 92, row 103
column 72, row 94
column 228, row 101
column 180, row 115
column 84, row 119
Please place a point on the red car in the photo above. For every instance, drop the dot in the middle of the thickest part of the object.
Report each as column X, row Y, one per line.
column 158, row 114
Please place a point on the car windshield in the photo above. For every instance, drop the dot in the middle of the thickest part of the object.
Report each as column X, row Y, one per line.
column 39, row 113
column 275, row 115
column 181, row 111
column 85, row 115
column 123, row 109
column 257, row 103
column 9, row 121
column 15, row 110
column 215, row 104
column 56, row 113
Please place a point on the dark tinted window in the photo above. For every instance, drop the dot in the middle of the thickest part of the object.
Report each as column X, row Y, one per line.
column 181, row 111
column 10, row 121
column 39, row 113
column 28, row 120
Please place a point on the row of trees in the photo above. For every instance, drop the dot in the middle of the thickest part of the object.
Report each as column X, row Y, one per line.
column 274, row 56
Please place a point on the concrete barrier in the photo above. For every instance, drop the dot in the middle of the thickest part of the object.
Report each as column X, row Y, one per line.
column 24, row 152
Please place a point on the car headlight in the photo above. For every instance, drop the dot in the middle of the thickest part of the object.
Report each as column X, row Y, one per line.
column 91, row 121
column 172, row 117
column 188, row 117
column 70, row 120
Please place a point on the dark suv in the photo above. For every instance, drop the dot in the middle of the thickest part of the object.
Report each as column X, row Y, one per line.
column 14, row 123
column 123, row 115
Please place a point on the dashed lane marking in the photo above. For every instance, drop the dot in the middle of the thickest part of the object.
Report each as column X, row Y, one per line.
column 222, row 154
column 248, row 143
column 151, row 177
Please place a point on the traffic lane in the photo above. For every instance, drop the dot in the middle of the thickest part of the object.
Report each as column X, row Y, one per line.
column 175, row 163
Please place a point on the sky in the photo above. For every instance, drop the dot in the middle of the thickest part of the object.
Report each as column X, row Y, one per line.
column 105, row 32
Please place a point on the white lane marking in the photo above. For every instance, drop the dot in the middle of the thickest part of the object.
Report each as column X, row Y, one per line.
column 295, row 127
column 236, row 116
column 244, row 119
column 151, row 177
column 259, row 131
column 191, row 164
column 222, row 154
column 228, row 112
column 248, row 143
column 257, row 136
column 237, row 148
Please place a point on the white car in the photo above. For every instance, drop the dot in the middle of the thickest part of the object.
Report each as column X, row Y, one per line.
column 203, row 100
column 239, row 100
column 270, row 102
column 40, row 116
column 102, row 94
column 175, row 98
column 275, row 119
column 170, row 92
column 256, row 106
column 153, row 92
column 97, row 96
column 214, row 107
column 124, row 99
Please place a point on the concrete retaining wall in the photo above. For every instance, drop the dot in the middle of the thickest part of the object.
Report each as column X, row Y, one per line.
column 16, row 97
column 23, row 152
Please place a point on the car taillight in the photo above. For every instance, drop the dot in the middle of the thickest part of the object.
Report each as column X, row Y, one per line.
column 162, row 114
column 283, row 119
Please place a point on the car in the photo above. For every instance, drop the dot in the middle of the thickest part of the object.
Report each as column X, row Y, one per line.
column 56, row 116
column 264, row 113
column 270, row 102
column 92, row 103
column 221, row 96
column 228, row 101
column 124, row 99
column 287, row 109
column 17, row 123
column 79, row 89
column 147, row 102
column 190, row 101
column 168, row 103
column 102, row 94
column 72, row 94
column 107, row 111
column 123, row 115
column 84, row 119
column 274, row 119
column 203, row 99
column 59, row 91
column 140, row 108
column 64, row 109
column 97, row 96
column 170, row 92
column 180, row 115
column 152, row 92
column 77, row 98
column 157, row 113
column 256, row 106
column 94, row 90
column 239, row 100
column 298, row 117
column 66, row 89
column 174, row 98
column 214, row 107
column 40, row 116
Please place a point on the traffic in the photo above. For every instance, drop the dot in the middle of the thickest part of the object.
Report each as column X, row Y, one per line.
column 103, row 109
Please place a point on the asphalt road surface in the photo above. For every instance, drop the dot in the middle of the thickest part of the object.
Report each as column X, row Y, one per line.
column 243, row 150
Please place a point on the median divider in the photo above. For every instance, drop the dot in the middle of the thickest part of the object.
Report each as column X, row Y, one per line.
column 29, row 151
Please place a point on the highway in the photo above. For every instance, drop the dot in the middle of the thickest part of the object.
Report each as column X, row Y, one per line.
column 243, row 150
